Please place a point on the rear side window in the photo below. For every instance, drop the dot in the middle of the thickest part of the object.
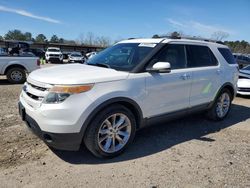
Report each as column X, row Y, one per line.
column 228, row 56
column 200, row 56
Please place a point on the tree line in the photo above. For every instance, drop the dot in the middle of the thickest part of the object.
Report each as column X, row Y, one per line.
column 91, row 39
column 88, row 39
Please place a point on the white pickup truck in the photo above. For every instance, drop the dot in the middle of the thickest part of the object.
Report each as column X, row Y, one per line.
column 16, row 67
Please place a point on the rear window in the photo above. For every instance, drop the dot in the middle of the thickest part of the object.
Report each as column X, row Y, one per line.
column 246, row 68
column 228, row 56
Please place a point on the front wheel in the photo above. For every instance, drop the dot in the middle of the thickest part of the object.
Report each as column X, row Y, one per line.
column 221, row 106
column 111, row 131
column 16, row 75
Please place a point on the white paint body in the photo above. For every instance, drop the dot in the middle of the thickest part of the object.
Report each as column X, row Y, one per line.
column 53, row 54
column 244, row 82
column 155, row 93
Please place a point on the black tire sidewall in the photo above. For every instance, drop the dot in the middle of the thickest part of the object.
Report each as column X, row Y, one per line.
column 22, row 71
column 213, row 114
column 91, row 135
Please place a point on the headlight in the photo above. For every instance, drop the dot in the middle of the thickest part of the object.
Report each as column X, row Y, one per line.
column 58, row 94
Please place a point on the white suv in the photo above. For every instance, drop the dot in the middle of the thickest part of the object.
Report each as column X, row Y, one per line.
column 125, row 87
column 53, row 54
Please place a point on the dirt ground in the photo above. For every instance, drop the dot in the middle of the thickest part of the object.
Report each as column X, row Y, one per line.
column 189, row 152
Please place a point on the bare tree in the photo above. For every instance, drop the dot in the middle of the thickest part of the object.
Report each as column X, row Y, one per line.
column 80, row 39
column 220, row 35
column 103, row 41
column 89, row 38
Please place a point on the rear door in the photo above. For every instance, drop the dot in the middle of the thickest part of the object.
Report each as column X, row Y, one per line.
column 206, row 74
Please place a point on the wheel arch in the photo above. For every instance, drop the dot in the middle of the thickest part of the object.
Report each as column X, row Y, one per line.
column 127, row 102
column 228, row 86
column 13, row 66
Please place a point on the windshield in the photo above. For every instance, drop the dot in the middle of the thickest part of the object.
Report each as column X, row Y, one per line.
column 53, row 50
column 76, row 55
column 246, row 68
column 122, row 57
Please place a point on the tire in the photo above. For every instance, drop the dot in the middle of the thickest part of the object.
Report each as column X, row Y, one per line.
column 99, row 136
column 16, row 75
column 214, row 113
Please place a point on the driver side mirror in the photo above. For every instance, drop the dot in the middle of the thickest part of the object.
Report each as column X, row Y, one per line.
column 160, row 67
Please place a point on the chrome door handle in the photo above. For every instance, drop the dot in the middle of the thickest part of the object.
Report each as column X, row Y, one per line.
column 218, row 71
column 185, row 76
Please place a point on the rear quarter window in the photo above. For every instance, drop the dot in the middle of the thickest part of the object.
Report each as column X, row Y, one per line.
column 227, row 54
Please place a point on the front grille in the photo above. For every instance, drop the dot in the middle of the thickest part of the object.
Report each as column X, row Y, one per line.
column 243, row 77
column 54, row 55
column 37, row 87
column 32, row 96
column 243, row 89
column 35, row 91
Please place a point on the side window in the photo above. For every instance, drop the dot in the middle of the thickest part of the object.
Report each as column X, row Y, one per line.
column 174, row 54
column 200, row 56
column 226, row 53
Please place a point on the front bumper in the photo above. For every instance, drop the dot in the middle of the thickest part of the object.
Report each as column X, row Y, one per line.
column 243, row 92
column 75, row 61
column 243, row 86
column 61, row 141
column 54, row 59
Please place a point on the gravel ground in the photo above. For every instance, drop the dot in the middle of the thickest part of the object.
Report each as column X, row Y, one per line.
column 189, row 152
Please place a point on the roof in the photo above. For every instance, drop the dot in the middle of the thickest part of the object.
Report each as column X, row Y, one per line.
column 167, row 40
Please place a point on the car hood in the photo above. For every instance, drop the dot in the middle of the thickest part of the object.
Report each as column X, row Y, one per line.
column 58, row 53
column 72, row 57
column 76, row 74
column 245, row 72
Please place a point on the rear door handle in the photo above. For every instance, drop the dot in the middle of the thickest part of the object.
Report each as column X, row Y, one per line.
column 218, row 71
column 185, row 76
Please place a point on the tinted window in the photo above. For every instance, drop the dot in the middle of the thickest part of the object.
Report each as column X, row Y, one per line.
column 228, row 56
column 246, row 68
column 53, row 50
column 76, row 55
column 123, row 56
column 174, row 54
column 200, row 56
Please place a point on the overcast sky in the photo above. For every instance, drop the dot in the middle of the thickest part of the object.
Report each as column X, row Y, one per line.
column 129, row 18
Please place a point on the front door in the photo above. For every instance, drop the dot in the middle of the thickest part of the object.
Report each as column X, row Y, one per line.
column 168, row 92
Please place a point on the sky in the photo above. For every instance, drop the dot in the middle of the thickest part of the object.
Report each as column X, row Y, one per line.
column 123, row 19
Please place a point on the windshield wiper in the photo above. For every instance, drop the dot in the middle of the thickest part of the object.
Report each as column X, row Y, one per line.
column 101, row 65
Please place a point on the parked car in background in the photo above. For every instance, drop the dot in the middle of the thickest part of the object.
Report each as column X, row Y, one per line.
column 16, row 67
column 90, row 54
column 242, row 60
column 126, row 87
column 37, row 52
column 3, row 52
column 244, row 81
column 54, row 55
column 15, row 63
column 76, row 57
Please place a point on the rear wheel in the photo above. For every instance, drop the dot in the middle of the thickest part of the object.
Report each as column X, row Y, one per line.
column 16, row 75
column 221, row 106
column 111, row 131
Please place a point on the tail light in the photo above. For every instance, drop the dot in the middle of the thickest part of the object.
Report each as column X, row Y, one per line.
column 38, row 62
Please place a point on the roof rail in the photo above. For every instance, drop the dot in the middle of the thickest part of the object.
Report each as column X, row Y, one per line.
column 194, row 38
